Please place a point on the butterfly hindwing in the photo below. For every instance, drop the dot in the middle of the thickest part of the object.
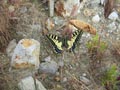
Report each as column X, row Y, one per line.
column 56, row 42
column 75, row 37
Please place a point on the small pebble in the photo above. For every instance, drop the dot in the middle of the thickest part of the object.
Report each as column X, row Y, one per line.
column 117, row 38
column 84, row 74
column 23, row 10
column 119, row 26
column 57, row 73
column 102, row 2
column 64, row 79
column 61, row 63
column 85, row 80
column 113, row 16
column 112, row 26
column 96, row 19
column 88, row 12
column 11, row 8
column 58, row 20
column 47, row 59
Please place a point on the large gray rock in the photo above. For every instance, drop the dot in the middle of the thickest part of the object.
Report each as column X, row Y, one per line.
column 29, row 83
column 26, row 54
column 49, row 67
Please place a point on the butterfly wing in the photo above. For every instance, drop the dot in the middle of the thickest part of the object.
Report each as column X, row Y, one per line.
column 75, row 37
column 56, row 42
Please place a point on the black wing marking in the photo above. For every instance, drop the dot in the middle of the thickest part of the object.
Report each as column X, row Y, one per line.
column 56, row 42
column 75, row 37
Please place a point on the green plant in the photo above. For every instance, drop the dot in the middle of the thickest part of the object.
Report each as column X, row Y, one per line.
column 96, row 48
column 109, row 81
column 96, row 43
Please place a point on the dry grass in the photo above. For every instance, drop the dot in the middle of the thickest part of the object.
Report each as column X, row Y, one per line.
column 4, row 27
column 116, row 49
column 6, row 79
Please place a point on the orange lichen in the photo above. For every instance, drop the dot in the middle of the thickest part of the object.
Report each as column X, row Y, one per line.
column 22, row 65
column 60, row 8
column 27, row 42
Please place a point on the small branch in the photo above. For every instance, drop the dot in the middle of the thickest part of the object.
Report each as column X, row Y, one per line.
column 51, row 8
column 78, row 81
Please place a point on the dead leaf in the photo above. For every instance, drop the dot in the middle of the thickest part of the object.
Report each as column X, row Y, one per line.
column 59, row 7
column 57, row 78
column 83, row 26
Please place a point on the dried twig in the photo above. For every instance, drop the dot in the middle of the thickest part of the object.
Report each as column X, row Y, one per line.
column 51, row 7
column 108, row 7
column 80, row 82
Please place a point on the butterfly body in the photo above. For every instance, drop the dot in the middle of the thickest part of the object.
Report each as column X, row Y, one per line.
column 62, row 43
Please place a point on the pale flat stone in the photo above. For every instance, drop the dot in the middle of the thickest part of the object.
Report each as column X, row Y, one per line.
column 85, row 80
column 96, row 19
column 113, row 16
column 26, row 54
column 28, row 83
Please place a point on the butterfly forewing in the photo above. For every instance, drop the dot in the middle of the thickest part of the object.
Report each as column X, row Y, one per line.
column 56, row 42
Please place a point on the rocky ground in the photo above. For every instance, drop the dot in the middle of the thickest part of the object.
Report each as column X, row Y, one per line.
column 83, row 70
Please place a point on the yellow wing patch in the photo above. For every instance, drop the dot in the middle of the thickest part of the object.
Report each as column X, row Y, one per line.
column 55, row 40
column 72, row 40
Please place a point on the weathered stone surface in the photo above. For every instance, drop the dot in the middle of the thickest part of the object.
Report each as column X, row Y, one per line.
column 26, row 54
column 96, row 19
column 29, row 83
column 113, row 16
column 49, row 67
